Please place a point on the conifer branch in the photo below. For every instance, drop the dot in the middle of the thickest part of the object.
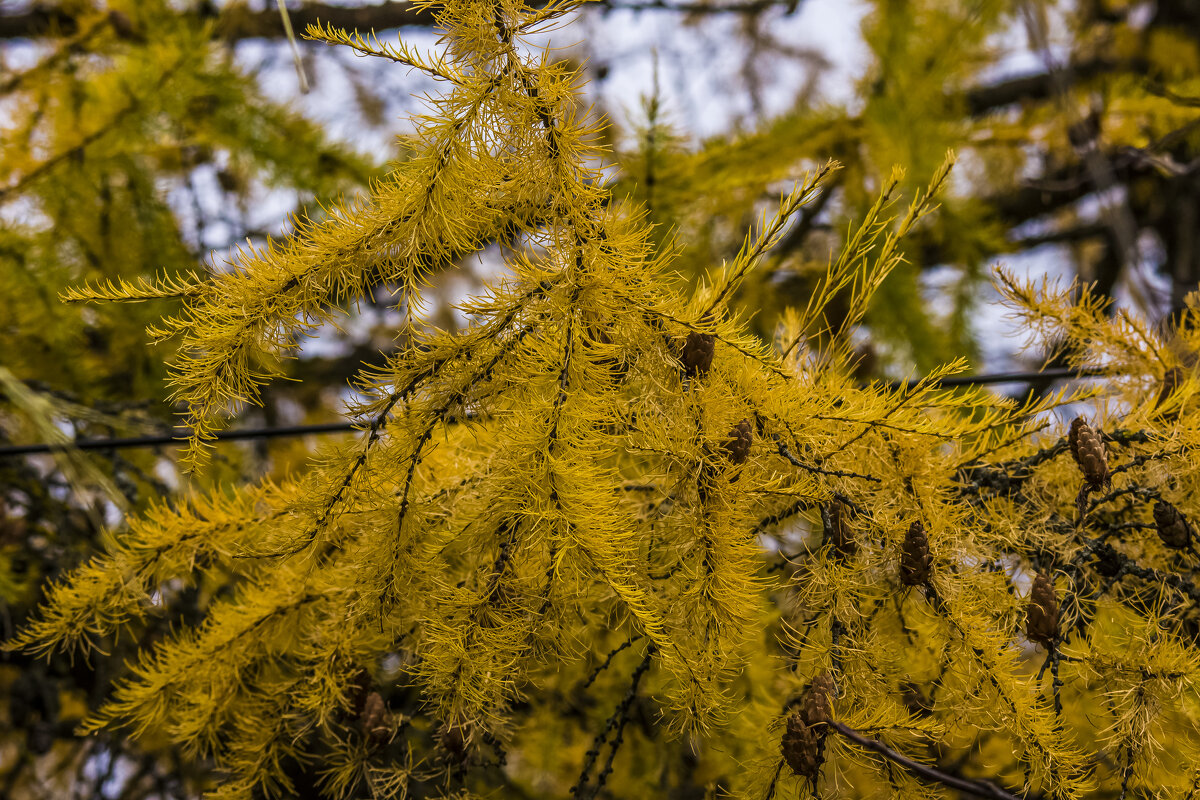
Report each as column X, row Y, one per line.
column 370, row 45
column 266, row 24
column 71, row 46
column 771, row 233
column 594, row 674
column 971, row 787
column 421, row 377
column 616, row 720
column 132, row 106
column 786, row 513
column 165, row 287
column 783, row 451
column 612, row 485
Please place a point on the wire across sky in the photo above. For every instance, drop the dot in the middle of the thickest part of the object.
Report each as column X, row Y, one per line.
column 180, row 435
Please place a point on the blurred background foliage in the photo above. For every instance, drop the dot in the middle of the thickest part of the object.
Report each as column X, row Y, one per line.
column 144, row 138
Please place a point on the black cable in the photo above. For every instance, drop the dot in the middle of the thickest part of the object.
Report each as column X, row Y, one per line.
column 181, row 434
column 177, row 437
column 1005, row 377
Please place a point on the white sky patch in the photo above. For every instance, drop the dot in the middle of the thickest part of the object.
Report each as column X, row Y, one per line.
column 700, row 62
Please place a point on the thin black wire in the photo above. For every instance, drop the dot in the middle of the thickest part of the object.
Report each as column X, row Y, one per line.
column 180, row 435
column 177, row 437
column 1056, row 373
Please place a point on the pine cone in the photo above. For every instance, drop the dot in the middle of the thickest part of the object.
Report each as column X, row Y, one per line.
column 817, row 705
column 837, row 532
column 801, row 746
column 1173, row 529
column 737, row 447
column 1089, row 454
column 375, row 718
column 915, row 559
column 801, row 743
column 1042, row 617
column 698, row 353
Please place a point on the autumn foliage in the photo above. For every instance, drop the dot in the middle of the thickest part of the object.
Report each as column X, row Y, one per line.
column 605, row 538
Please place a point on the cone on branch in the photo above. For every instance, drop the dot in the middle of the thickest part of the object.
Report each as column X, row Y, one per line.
column 837, row 532
column 737, row 446
column 805, row 732
column 1042, row 615
column 916, row 562
column 357, row 691
column 818, row 700
column 1089, row 453
column 1108, row 561
column 698, row 351
column 1173, row 529
column 801, row 747
column 375, row 719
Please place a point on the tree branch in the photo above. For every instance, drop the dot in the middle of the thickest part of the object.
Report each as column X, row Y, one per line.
column 1040, row 86
column 975, row 788
column 267, row 24
column 40, row 21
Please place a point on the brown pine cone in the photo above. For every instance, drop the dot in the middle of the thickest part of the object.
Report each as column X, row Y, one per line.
column 915, row 560
column 1042, row 616
column 817, row 706
column 1089, row 453
column 737, row 446
column 1108, row 561
column 375, row 718
column 1173, row 529
column 801, row 746
column 698, row 353
column 837, row 532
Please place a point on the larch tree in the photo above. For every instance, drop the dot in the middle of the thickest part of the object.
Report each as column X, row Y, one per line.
column 604, row 540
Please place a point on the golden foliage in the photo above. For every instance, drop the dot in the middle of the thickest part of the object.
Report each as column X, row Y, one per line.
column 557, row 478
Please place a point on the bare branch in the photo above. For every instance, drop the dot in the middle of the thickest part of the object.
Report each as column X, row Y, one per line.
column 975, row 788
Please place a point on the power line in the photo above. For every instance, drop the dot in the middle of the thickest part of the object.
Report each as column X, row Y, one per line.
column 179, row 435
column 1056, row 373
column 177, row 438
